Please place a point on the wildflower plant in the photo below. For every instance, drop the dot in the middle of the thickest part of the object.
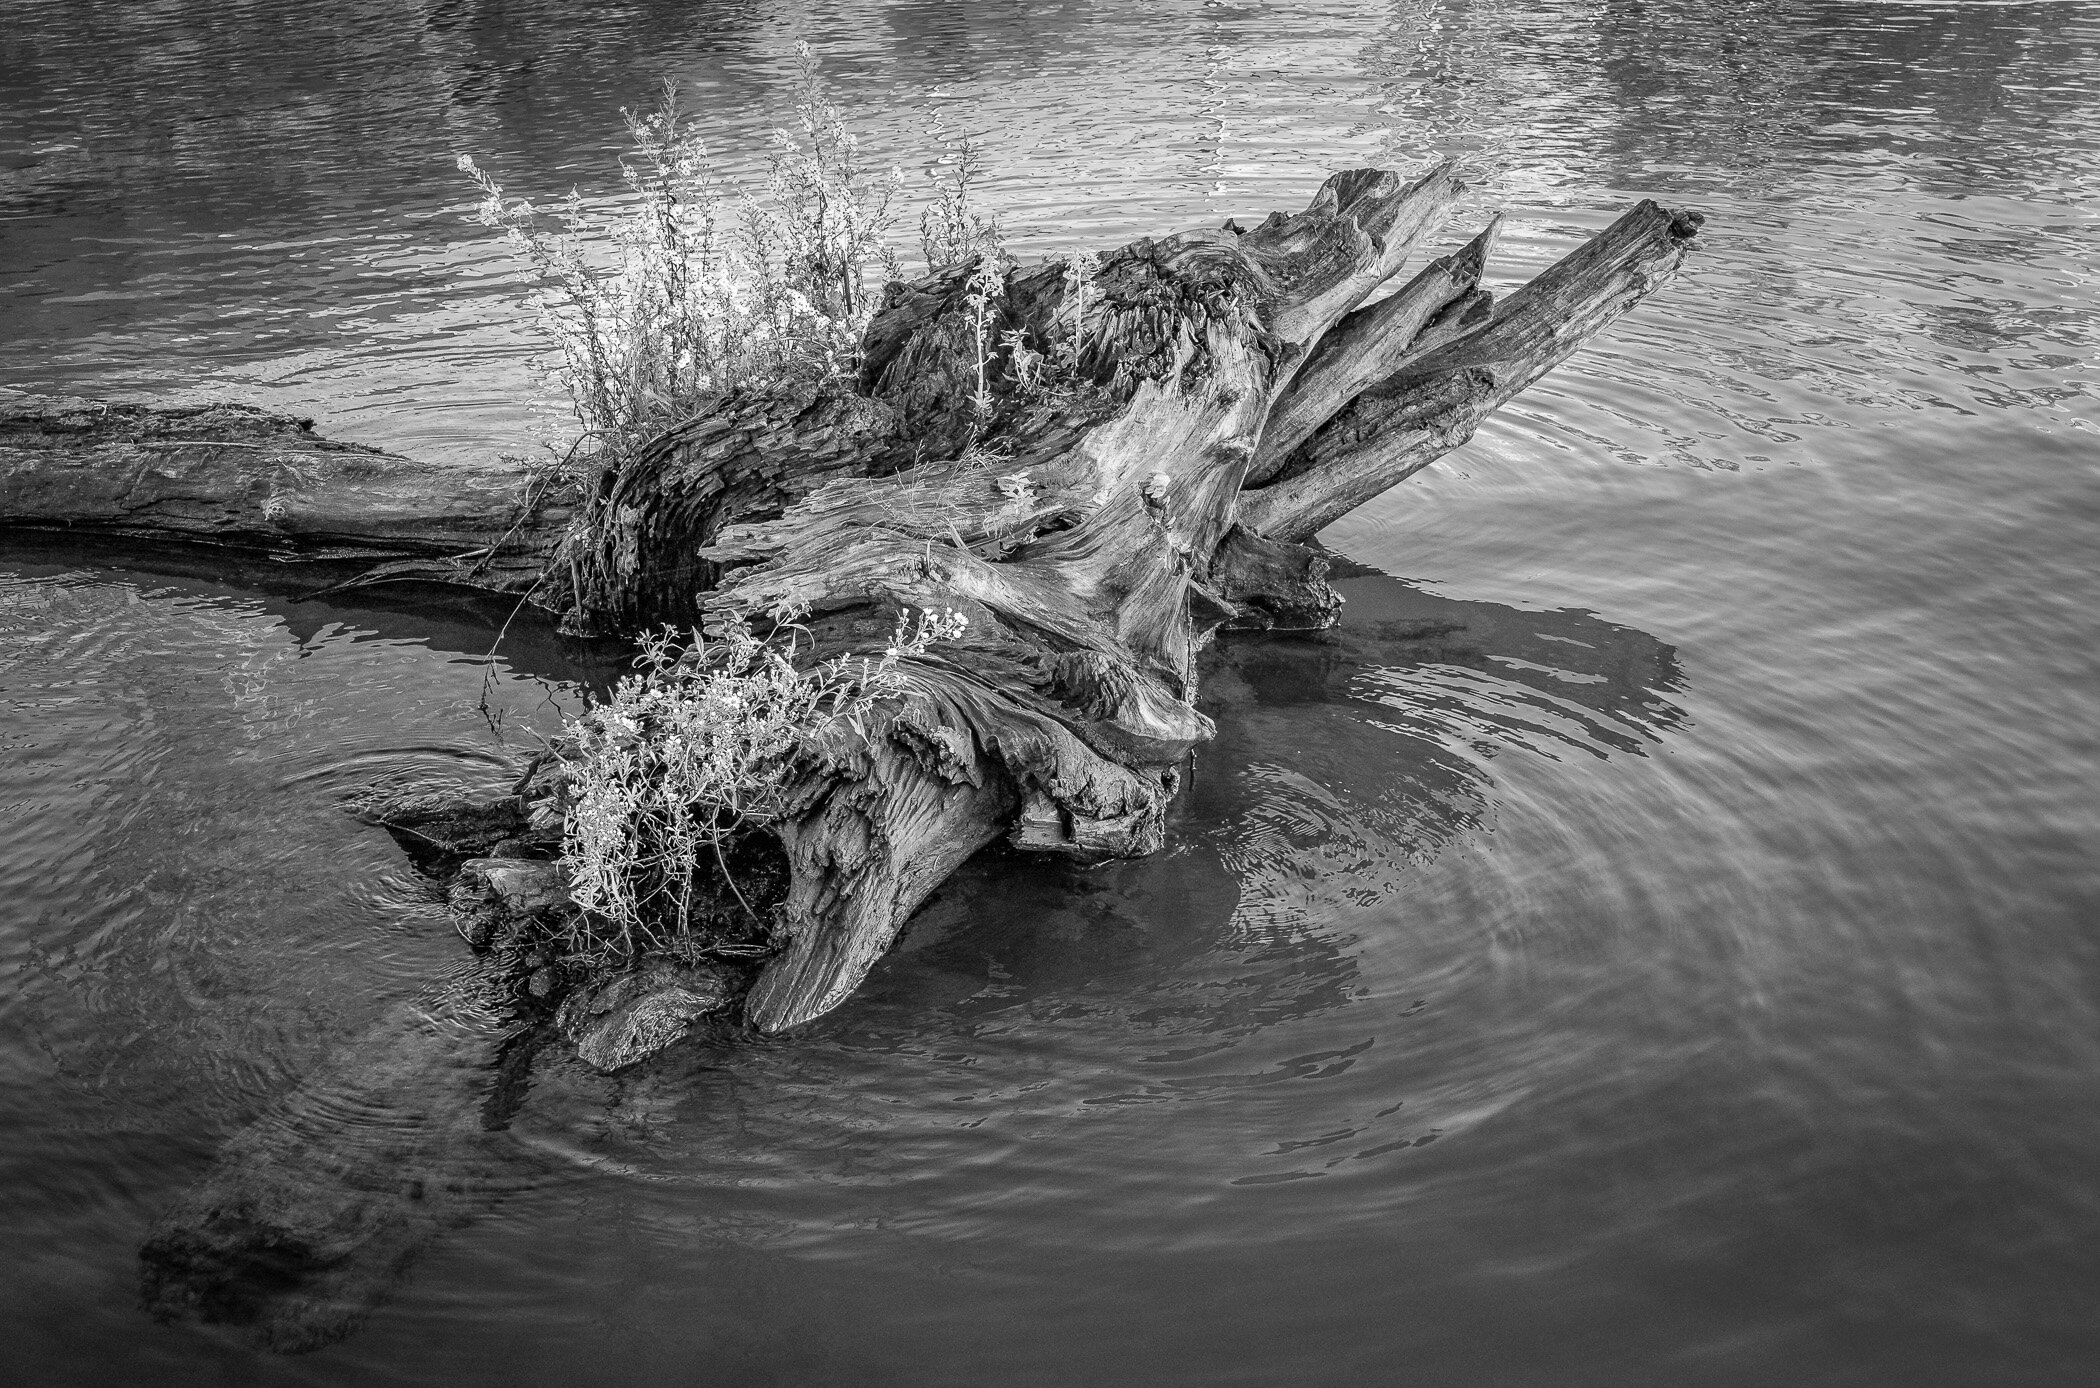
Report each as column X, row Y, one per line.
column 689, row 287
column 691, row 754
column 1037, row 376
column 1080, row 294
column 951, row 230
column 820, row 231
column 709, row 286
column 984, row 298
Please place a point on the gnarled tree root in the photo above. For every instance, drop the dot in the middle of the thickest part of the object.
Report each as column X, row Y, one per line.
column 1160, row 445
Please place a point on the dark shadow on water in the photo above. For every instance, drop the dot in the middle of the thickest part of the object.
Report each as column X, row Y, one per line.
column 442, row 618
column 312, row 1214
column 1343, row 760
column 313, row 1210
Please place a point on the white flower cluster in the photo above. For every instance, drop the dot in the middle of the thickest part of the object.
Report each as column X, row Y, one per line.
column 688, row 755
column 692, row 285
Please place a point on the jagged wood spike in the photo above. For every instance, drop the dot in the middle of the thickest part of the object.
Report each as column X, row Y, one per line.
column 1369, row 345
column 1402, row 424
column 1361, row 204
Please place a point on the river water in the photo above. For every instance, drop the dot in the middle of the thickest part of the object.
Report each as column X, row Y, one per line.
column 1656, row 940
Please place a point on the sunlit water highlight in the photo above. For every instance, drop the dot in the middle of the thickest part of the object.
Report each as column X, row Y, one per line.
column 1651, row 942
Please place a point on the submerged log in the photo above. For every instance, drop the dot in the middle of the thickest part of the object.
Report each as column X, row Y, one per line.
column 312, row 1212
column 1118, row 465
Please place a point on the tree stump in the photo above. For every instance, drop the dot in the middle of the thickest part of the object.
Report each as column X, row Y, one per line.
column 1100, row 468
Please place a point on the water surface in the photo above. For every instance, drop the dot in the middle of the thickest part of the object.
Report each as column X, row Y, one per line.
column 1651, row 942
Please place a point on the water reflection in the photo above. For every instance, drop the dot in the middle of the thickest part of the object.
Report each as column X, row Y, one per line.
column 1369, row 747
column 1698, row 95
column 191, row 196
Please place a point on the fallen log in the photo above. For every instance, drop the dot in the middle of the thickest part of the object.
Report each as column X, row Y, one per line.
column 1098, row 470
column 250, row 482
column 1116, row 469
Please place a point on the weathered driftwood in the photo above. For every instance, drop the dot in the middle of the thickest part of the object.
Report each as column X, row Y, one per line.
column 1212, row 400
column 1161, row 443
column 247, row 481
column 1095, row 537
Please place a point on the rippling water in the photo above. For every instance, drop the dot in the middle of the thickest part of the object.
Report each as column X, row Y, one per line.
column 1652, row 941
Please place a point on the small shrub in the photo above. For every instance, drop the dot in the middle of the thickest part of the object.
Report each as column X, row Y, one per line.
column 1080, row 271
column 710, row 287
column 1038, row 377
column 824, row 214
column 689, row 756
column 696, row 287
column 986, row 291
column 952, row 230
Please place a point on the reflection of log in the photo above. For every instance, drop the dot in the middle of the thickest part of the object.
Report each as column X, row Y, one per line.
column 1160, row 442
column 312, row 1211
